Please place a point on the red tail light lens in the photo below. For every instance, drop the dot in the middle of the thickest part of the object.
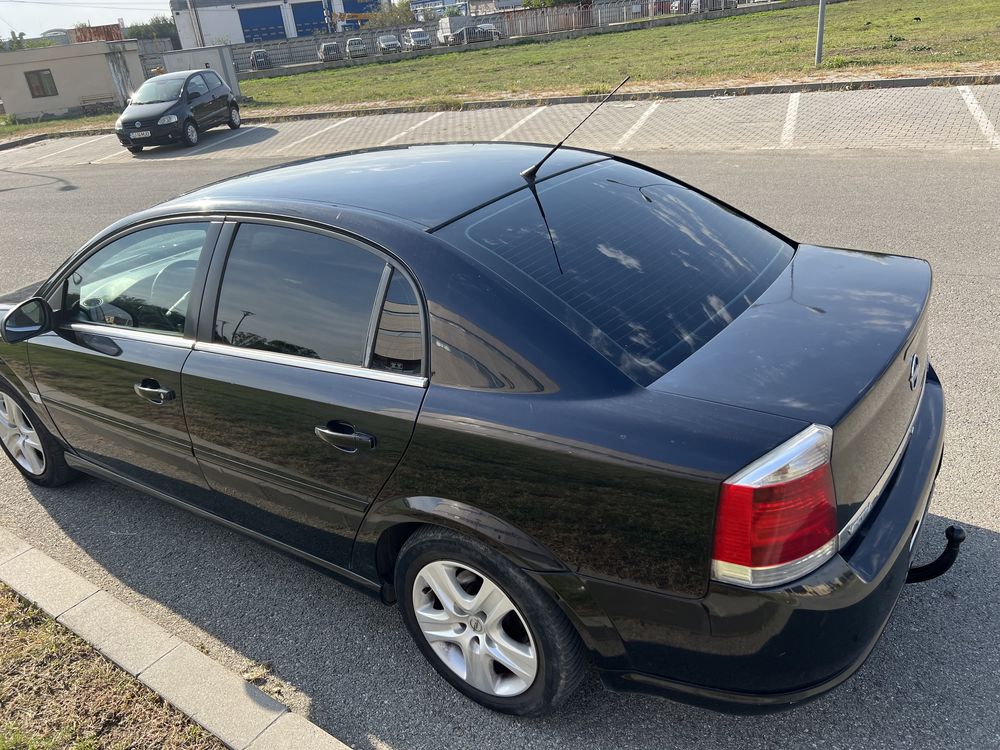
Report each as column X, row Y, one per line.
column 777, row 519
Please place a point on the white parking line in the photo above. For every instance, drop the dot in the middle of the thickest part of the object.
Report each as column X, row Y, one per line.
column 518, row 124
column 791, row 117
column 61, row 151
column 638, row 124
column 209, row 144
column 337, row 124
column 120, row 152
column 411, row 129
column 979, row 116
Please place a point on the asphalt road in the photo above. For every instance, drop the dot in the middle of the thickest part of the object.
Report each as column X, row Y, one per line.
column 346, row 661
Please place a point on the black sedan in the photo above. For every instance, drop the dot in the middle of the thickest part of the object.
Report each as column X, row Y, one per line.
column 176, row 108
column 587, row 414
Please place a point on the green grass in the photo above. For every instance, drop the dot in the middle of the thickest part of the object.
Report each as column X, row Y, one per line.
column 864, row 36
column 10, row 129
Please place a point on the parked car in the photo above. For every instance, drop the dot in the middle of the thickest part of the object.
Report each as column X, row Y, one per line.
column 471, row 35
column 490, row 30
column 450, row 29
column 414, row 39
column 330, row 51
column 388, row 44
column 260, row 59
column 176, row 108
column 638, row 429
column 356, row 47
column 697, row 6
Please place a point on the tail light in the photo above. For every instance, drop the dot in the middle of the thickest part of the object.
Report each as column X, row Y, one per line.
column 777, row 518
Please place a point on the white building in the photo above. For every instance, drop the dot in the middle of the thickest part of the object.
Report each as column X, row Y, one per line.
column 203, row 23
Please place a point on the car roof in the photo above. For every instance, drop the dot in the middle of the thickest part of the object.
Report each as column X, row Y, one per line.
column 182, row 73
column 427, row 185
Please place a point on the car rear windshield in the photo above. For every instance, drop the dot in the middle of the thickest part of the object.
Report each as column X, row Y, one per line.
column 158, row 90
column 643, row 269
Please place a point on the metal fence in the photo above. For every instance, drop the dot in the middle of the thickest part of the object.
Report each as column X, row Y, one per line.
column 509, row 24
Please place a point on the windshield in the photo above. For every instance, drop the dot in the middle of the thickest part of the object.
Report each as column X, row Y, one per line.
column 647, row 270
column 387, row 39
column 418, row 34
column 158, row 90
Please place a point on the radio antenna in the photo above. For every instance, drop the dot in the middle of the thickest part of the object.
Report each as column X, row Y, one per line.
column 530, row 172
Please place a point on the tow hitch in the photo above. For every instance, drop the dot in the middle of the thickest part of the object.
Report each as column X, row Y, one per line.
column 955, row 536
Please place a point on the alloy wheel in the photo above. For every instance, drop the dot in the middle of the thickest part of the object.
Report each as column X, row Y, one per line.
column 192, row 133
column 474, row 628
column 20, row 438
column 234, row 117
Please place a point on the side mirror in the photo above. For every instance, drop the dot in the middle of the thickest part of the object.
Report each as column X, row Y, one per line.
column 128, row 101
column 27, row 320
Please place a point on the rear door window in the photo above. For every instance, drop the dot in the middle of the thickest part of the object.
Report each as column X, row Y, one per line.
column 643, row 269
column 296, row 292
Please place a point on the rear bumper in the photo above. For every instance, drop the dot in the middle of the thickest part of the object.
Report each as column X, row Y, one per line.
column 746, row 650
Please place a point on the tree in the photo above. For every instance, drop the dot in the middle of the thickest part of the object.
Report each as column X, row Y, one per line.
column 389, row 15
column 157, row 27
column 452, row 11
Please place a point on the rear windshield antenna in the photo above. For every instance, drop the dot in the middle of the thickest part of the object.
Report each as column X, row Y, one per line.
column 530, row 172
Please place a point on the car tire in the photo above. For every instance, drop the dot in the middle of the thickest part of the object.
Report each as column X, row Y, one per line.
column 190, row 134
column 134, row 149
column 28, row 444
column 234, row 120
column 518, row 624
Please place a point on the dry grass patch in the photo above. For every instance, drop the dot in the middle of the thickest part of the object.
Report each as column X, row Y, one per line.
column 58, row 693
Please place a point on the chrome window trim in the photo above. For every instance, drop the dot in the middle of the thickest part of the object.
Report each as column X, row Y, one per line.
column 852, row 526
column 290, row 360
column 132, row 334
column 311, row 225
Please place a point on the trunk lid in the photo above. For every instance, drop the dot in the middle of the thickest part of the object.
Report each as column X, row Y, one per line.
column 838, row 339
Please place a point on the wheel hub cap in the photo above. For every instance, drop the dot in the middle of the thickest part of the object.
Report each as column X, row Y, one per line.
column 474, row 628
column 19, row 437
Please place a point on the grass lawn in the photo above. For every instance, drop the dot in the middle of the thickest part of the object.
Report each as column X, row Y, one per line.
column 57, row 693
column 862, row 36
column 9, row 130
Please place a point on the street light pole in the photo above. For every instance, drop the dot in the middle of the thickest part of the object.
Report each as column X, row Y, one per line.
column 819, row 32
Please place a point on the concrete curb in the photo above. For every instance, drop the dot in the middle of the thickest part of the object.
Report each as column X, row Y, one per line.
column 239, row 714
column 777, row 88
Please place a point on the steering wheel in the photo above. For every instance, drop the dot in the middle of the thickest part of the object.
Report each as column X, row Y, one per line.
column 172, row 284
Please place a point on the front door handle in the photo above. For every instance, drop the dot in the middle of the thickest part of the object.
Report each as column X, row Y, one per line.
column 150, row 390
column 344, row 437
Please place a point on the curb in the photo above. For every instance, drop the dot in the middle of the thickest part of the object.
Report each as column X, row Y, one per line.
column 726, row 91
column 781, row 88
column 239, row 714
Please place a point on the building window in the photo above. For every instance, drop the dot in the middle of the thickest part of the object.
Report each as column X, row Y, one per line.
column 41, row 84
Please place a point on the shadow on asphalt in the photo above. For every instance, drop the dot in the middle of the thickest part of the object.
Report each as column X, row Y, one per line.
column 211, row 141
column 362, row 679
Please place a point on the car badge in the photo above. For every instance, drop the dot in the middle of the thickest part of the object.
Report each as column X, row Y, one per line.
column 914, row 371
column 138, row 124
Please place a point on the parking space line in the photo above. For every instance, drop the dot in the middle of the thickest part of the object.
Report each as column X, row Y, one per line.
column 411, row 129
column 518, row 124
column 982, row 120
column 627, row 135
column 61, row 151
column 120, row 152
column 209, row 144
column 791, row 117
column 337, row 124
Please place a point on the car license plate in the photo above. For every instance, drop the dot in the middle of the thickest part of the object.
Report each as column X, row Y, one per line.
column 139, row 134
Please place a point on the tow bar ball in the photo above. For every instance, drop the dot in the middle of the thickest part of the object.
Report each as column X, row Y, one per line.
column 955, row 536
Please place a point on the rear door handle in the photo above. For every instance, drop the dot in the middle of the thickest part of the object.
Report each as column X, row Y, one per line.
column 150, row 390
column 344, row 437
